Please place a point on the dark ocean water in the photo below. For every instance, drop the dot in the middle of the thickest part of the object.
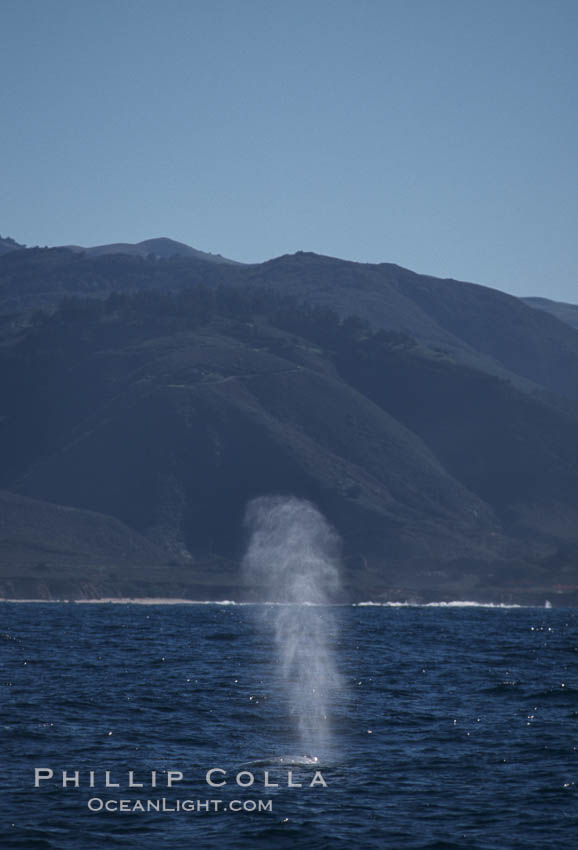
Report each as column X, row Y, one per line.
column 453, row 728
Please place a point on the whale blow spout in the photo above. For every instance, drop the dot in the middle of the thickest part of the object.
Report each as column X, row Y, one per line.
column 293, row 558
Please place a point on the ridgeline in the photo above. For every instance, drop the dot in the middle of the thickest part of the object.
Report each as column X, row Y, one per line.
column 147, row 398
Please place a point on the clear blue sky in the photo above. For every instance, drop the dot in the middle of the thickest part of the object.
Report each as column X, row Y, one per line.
column 437, row 134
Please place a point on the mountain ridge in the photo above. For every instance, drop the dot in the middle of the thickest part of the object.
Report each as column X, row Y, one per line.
column 7, row 244
column 562, row 310
column 531, row 348
column 433, row 422
column 161, row 247
column 170, row 412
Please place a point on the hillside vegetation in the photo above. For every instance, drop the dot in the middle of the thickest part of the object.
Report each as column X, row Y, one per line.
column 166, row 404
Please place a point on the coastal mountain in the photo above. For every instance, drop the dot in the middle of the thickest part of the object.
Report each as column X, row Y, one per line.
column 433, row 422
column 43, row 543
column 166, row 411
column 52, row 551
column 7, row 244
column 481, row 327
column 160, row 248
column 565, row 312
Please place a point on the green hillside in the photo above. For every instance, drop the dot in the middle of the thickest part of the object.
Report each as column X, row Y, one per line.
column 168, row 412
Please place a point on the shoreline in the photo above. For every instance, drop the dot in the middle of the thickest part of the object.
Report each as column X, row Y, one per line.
column 466, row 603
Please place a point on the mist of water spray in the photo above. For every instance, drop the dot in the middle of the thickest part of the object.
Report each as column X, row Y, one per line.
column 293, row 560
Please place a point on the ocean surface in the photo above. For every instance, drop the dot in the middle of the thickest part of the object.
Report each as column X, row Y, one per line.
column 449, row 727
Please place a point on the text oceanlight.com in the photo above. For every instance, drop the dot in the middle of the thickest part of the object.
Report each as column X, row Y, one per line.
column 97, row 804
